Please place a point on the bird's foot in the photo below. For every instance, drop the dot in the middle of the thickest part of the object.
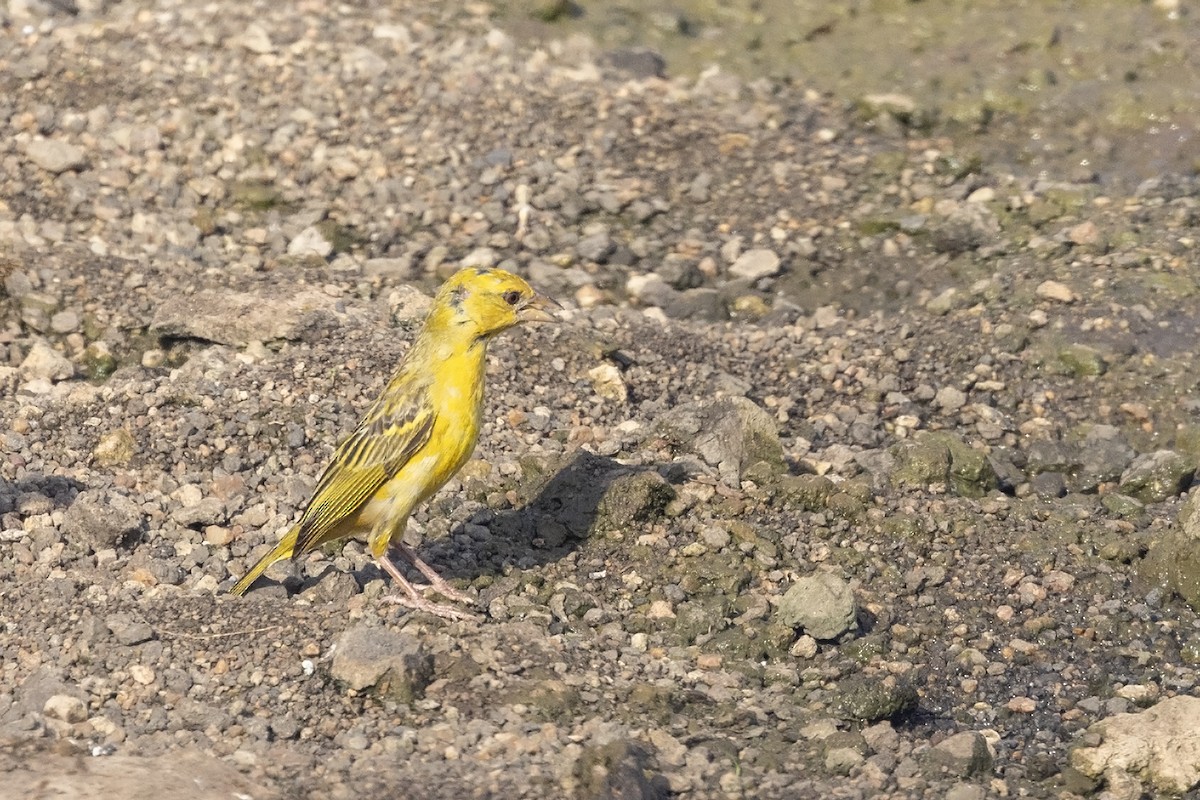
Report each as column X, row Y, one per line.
column 415, row 600
column 419, row 603
column 436, row 582
column 450, row 593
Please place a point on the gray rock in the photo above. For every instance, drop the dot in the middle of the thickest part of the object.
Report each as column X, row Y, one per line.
column 650, row 290
column 17, row 285
column 396, row 269
column 680, row 271
column 436, row 257
column 285, row 727
column 967, row 227
column 183, row 772
column 102, row 519
column 1081, row 360
column 365, row 63
column 163, row 570
column 115, row 448
column 870, row 699
column 1189, row 650
column 633, row 498
column 1051, row 455
column 408, row 303
column 618, row 770
column 255, row 39
column 881, row 737
column 732, row 249
column 841, row 760
column 924, row 576
column 607, row 381
column 826, row 317
column 1049, row 484
column 238, row 318
column 544, row 10
column 42, row 684
column 481, row 257
column 639, row 62
column 943, row 303
column 10, row 377
column 334, row 587
column 897, row 105
column 755, row 264
column 55, row 156
column 595, row 247
column 729, row 433
column 965, row 791
column 578, row 495
column 1173, row 561
column 823, row 605
column 45, row 363
column 129, row 631
column 700, row 304
column 391, row 664
column 941, row 456
column 1154, row 477
column 641, row 211
column 964, row 755
column 950, row 398
column 700, row 617
column 30, row 503
column 698, row 189
column 209, row 511
column 64, row 322
column 1103, row 459
column 920, row 462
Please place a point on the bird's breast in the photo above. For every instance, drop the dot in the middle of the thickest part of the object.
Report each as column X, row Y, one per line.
column 457, row 397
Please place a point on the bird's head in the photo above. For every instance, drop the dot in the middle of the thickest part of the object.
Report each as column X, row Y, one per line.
column 486, row 301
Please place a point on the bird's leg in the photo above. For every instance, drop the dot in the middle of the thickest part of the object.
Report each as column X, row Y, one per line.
column 437, row 582
column 414, row 599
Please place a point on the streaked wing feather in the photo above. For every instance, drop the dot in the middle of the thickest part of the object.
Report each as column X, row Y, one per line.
column 375, row 451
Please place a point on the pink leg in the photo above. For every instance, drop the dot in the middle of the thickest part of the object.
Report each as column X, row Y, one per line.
column 414, row 599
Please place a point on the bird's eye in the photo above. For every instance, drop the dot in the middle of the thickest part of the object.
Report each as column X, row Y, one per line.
column 512, row 297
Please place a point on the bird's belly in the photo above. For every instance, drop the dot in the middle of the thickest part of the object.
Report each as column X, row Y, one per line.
column 450, row 445
column 396, row 499
column 385, row 513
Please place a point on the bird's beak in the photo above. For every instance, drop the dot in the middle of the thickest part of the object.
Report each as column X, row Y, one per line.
column 539, row 308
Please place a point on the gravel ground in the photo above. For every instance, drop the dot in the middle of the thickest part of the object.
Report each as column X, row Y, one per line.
column 855, row 468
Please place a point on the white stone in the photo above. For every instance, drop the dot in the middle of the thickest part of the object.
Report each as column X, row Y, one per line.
column 755, row 264
column 1160, row 746
column 308, row 242
column 1053, row 290
column 55, row 156
column 66, row 708
column 608, row 383
column 43, row 362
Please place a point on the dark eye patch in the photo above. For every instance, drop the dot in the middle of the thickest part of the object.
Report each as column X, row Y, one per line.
column 512, row 297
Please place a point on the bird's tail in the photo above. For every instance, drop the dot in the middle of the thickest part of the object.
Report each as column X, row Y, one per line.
column 281, row 550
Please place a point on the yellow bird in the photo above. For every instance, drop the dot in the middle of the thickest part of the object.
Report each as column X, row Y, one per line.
column 417, row 434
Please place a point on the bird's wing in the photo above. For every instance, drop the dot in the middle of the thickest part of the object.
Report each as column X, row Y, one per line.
column 386, row 439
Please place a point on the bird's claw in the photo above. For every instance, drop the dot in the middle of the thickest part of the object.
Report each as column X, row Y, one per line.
column 419, row 603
